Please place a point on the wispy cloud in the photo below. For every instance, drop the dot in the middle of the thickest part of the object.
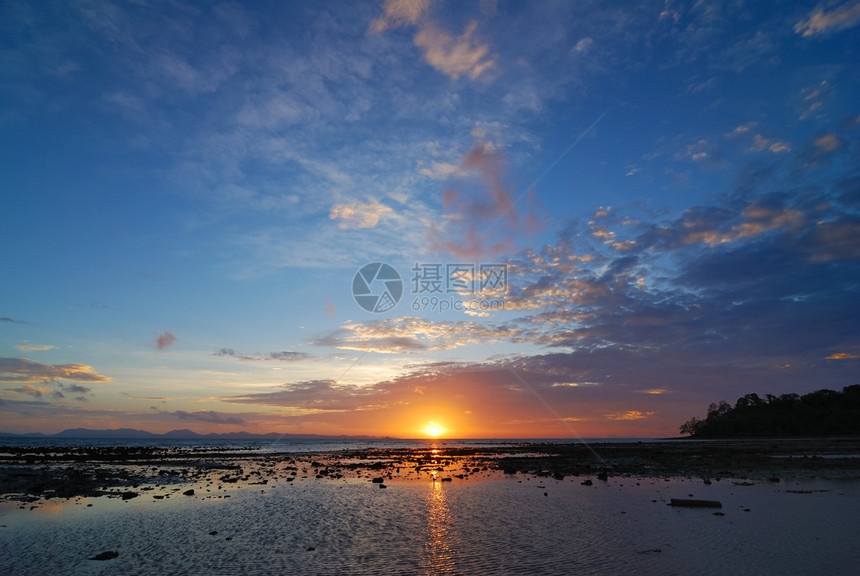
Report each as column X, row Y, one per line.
column 208, row 416
column 823, row 21
column 481, row 216
column 34, row 347
column 283, row 356
column 454, row 56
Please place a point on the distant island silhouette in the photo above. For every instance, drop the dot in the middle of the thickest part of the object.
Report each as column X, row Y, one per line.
column 184, row 434
column 820, row 413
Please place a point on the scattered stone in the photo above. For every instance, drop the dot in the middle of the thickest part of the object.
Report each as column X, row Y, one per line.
column 378, row 480
column 106, row 555
column 447, row 479
column 129, row 495
column 692, row 503
column 310, row 549
column 587, row 483
column 603, row 476
column 213, row 533
column 189, row 492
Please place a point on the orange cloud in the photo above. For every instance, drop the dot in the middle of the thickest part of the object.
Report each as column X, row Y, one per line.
column 842, row 356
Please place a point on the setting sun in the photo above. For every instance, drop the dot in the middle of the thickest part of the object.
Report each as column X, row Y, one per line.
column 433, row 429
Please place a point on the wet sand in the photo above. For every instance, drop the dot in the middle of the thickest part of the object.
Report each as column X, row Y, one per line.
column 29, row 475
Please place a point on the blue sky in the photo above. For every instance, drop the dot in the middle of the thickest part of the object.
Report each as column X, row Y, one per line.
column 189, row 189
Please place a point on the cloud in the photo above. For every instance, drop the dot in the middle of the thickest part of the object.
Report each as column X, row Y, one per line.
column 773, row 145
column 33, row 347
column 283, row 356
column 209, row 416
column 412, row 335
column 34, row 391
column 26, row 370
column 164, row 339
column 358, row 215
column 480, row 218
column 398, row 13
column 12, row 321
column 312, row 396
column 822, row 22
column 842, row 356
column 454, row 56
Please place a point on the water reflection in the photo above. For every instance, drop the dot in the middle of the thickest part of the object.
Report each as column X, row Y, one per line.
column 440, row 543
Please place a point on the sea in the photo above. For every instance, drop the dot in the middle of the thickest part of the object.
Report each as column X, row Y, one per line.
column 501, row 524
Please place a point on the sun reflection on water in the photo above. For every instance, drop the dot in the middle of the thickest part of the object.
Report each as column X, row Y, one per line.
column 440, row 544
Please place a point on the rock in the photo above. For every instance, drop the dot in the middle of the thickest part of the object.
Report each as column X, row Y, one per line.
column 692, row 503
column 447, row 479
column 310, row 549
column 603, row 476
column 383, row 486
column 213, row 533
column 106, row 555
column 587, row 483
column 129, row 495
column 378, row 480
column 189, row 492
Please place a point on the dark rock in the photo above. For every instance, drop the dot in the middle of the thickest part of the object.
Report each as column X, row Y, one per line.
column 378, row 480
column 213, row 533
column 189, row 492
column 691, row 503
column 129, row 495
column 603, row 476
column 106, row 555
column 587, row 483
column 310, row 549
column 447, row 479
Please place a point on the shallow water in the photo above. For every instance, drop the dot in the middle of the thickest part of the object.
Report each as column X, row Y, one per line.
column 510, row 525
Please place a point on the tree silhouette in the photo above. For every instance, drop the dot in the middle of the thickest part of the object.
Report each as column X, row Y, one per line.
column 823, row 412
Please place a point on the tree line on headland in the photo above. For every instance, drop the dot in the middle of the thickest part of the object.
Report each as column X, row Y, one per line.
column 820, row 413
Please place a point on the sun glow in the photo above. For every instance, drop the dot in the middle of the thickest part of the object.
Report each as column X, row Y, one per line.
column 434, row 429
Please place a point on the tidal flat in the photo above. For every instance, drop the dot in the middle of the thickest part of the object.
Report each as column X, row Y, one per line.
column 531, row 508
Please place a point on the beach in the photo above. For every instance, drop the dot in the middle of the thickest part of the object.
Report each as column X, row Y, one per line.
column 560, row 508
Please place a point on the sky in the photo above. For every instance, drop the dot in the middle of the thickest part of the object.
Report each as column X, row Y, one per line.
column 511, row 219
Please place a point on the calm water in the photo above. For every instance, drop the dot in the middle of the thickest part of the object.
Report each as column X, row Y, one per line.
column 497, row 525
column 293, row 445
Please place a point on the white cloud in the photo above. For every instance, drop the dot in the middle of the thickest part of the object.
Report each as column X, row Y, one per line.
column 359, row 215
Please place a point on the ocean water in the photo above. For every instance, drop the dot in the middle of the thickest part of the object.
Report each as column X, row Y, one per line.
column 498, row 525
column 326, row 445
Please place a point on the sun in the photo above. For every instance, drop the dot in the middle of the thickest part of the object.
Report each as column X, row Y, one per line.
column 434, row 429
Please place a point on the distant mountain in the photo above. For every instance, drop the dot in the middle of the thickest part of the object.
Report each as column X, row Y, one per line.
column 184, row 434
column 119, row 433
